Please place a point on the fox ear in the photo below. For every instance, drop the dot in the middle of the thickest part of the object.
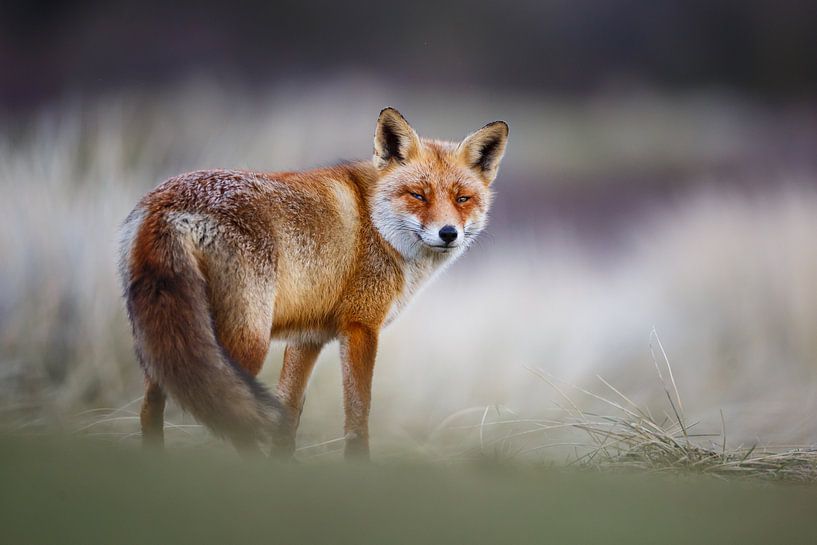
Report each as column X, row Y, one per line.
column 483, row 150
column 394, row 139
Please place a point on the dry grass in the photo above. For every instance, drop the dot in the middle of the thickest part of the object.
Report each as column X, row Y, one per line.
column 628, row 437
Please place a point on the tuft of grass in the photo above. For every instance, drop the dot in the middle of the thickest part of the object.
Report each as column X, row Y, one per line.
column 632, row 438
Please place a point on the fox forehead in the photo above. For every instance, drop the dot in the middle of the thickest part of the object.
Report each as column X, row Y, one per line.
column 435, row 167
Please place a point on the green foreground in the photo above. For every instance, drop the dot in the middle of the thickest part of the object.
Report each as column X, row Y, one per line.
column 69, row 491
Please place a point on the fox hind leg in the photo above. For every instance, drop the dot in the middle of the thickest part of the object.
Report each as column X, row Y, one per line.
column 242, row 316
column 248, row 351
column 152, row 415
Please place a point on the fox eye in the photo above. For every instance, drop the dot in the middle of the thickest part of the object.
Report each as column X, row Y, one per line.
column 418, row 196
column 463, row 198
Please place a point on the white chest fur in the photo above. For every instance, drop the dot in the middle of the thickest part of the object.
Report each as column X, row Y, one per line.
column 417, row 274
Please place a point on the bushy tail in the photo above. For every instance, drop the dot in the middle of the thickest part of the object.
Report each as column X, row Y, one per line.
column 175, row 341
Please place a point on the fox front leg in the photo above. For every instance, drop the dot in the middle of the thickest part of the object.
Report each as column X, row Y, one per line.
column 358, row 346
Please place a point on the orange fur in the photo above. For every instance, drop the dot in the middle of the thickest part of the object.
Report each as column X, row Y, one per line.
column 216, row 263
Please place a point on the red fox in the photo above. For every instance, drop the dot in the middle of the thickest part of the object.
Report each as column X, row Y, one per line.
column 215, row 264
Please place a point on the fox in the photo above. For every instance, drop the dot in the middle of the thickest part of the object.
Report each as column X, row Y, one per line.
column 217, row 264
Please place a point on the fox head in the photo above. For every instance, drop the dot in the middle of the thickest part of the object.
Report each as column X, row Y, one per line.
column 432, row 197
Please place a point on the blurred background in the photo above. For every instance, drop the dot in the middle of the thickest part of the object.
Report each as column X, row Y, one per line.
column 661, row 175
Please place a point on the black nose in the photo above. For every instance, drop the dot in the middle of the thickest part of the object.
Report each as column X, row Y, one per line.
column 448, row 234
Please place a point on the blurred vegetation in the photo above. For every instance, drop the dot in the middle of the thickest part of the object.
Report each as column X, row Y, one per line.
column 692, row 214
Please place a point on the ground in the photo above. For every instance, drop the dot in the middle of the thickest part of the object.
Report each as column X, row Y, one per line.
column 64, row 490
